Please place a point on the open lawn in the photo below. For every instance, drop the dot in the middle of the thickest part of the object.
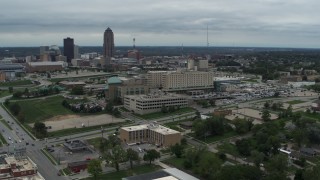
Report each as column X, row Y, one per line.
column 160, row 114
column 4, row 93
column 228, row 148
column 295, row 102
column 95, row 142
column 311, row 115
column 16, row 83
column 42, row 109
column 176, row 162
column 125, row 173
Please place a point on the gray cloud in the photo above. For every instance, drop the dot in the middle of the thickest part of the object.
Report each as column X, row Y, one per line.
column 293, row 23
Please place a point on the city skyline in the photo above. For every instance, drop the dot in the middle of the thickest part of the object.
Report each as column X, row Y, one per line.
column 268, row 23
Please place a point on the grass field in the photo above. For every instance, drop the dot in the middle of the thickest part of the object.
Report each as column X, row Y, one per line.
column 16, row 83
column 295, row 102
column 95, row 142
column 228, row 148
column 42, row 109
column 4, row 93
column 125, row 173
column 176, row 162
column 160, row 114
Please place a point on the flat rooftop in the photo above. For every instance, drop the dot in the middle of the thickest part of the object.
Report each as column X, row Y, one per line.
column 154, row 127
column 152, row 96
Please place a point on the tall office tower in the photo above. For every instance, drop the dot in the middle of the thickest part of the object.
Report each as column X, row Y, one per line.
column 68, row 49
column 76, row 52
column 108, row 44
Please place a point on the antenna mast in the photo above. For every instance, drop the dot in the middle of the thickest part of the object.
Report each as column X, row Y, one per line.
column 134, row 43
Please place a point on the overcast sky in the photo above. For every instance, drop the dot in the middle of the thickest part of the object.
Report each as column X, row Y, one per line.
column 273, row 23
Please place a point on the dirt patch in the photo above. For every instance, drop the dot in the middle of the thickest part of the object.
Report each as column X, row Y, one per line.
column 62, row 117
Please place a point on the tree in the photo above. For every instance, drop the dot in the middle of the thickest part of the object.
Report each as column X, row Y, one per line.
column 10, row 89
column 277, row 166
column 21, row 117
column 267, row 105
column 257, row 157
column 266, row 116
column 212, row 102
column 94, row 168
column 17, row 94
column 109, row 107
column 171, row 109
column 78, row 90
column 40, row 129
column 299, row 136
column 276, row 94
column 289, row 110
column 116, row 155
column 116, row 112
column 15, row 109
column 208, row 164
column 177, row 150
column 198, row 115
column 164, row 109
column 132, row 155
column 242, row 125
column 7, row 102
column 312, row 173
column 244, row 146
column 151, row 155
column 200, row 129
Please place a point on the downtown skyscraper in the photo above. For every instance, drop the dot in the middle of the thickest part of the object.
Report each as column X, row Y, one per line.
column 68, row 49
column 108, row 43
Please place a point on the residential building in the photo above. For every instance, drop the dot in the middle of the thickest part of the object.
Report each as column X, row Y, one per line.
column 150, row 133
column 108, row 43
column 153, row 102
column 68, row 48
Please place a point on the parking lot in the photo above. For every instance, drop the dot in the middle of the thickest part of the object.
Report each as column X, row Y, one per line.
column 64, row 155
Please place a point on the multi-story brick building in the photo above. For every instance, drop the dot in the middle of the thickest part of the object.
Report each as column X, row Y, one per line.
column 11, row 167
column 150, row 133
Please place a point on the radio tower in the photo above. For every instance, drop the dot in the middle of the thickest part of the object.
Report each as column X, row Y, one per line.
column 134, row 43
column 207, row 40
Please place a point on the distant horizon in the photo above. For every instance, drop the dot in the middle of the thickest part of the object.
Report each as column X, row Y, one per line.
column 137, row 47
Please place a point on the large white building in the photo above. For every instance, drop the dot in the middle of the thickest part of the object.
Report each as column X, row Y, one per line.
column 180, row 80
column 144, row 104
